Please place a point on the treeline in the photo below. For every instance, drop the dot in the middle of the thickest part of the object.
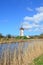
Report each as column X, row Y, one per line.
column 7, row 36
column 37, row 36
column 21, row 37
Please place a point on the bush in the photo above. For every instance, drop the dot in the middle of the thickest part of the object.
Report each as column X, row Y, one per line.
column 21, row 37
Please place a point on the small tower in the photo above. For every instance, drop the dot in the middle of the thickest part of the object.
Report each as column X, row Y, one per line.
column 21, row 31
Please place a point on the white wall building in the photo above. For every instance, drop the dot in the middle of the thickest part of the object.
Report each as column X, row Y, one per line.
column 21, row 31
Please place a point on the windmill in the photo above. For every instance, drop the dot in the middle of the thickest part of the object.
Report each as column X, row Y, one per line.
column 23, row 27
column 21, row 31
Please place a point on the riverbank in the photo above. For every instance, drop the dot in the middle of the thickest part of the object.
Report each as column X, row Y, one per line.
column 12, row 40
column 24, row 53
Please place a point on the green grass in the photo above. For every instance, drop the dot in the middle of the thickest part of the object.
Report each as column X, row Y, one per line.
column 39, row 60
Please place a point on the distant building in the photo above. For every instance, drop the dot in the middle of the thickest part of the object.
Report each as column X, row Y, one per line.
column 27, row 36
column 21, row 31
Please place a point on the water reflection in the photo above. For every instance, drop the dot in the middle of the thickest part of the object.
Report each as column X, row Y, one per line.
column 9, row 51
column 20, row 53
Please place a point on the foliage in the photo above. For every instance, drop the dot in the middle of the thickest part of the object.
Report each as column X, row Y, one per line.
column 1, row 36
column 9, row 36
column 37, row 36
column 39, row 60
column 21, row 37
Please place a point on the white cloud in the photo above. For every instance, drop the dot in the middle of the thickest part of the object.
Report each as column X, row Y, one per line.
column 29, row 9
column 35, row 25
column 39, row 9
column 41, row 28
column 27, row 18
column 32, row 27
column 36, row 29
column 35, row 18
column 26, row 25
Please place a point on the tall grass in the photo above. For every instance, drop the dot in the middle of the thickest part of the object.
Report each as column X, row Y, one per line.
column 22, row 54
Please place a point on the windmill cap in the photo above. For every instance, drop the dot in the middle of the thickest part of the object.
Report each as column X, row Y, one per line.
column 21, row 28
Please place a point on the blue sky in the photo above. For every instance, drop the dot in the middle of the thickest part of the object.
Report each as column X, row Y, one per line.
column 14, row 13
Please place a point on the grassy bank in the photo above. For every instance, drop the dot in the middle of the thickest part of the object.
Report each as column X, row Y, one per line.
column 39, row 60
column 14, row 40
column 11, row 39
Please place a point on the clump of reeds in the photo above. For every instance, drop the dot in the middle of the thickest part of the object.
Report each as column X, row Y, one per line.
column 22, row 55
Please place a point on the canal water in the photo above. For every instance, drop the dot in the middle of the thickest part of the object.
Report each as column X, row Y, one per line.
column 11, row 53
column 13, row 46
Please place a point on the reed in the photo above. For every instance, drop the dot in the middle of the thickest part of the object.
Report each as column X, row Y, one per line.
column 22, row 55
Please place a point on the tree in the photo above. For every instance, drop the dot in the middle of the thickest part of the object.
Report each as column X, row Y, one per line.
column 41, row 36
column 1, row 36
column 8, row 36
